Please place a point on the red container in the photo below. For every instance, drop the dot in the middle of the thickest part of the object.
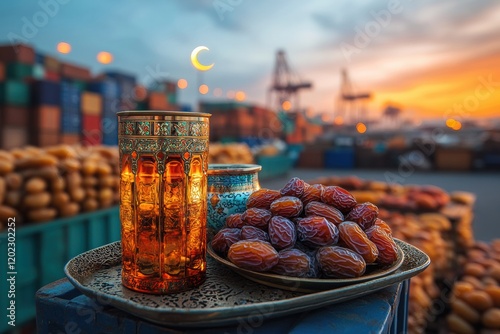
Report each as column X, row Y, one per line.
column 2, row 71
column 158, row 101
column 91, row 130
column 48, row 118
column 46, row 138
column 14, row 116
column 52, row 76
column 17, row 53
column 75, row 72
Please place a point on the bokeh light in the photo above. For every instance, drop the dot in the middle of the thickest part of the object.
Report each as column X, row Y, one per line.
column 240, row 95
column 182, row 83
column 203, row 89
column 361, row 127
column 63, row 47
column 339, row 120
column 450, row 122
column 456, row 126
column 286, row 105
column 104, row 57
column 230, row 94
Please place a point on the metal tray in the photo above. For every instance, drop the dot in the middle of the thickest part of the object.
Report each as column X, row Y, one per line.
column 309, row 284
column 223, row 298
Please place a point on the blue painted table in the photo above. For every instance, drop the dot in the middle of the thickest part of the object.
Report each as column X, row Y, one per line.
column 61, row 308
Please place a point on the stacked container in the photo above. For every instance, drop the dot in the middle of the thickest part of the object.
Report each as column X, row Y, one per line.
column 70, row 112
column 45, row 125
column 109, row 89
column 91, row 108
column 16, row 70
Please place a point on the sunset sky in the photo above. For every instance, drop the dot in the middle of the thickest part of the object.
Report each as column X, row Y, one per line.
column 434, row 59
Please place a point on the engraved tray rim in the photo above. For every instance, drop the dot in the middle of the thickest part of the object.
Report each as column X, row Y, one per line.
column 230, row 314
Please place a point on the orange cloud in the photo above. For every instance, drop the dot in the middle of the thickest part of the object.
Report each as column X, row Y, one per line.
column 466, row 89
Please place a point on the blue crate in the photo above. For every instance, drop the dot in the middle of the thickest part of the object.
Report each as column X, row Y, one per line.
column 46, row 92
column 43, row 249
column 342, row 158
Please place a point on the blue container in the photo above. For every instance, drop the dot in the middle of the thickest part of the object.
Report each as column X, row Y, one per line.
column 110, row 106
column 70, row 108
column 47, row 93
column 39, row 58
column 120, row 76
column 229, row 186
column 109, row 127
column 42, row 250
column 108, row 88
column 342, row 158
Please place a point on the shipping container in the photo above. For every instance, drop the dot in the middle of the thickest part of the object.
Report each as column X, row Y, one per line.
column 453, row 158
column 48, row 118
column 91, row 103
column 71, row 71
column 52, row 76
column 44, row 138
column 46, row 92
column 2, row 71
column 109, row 127
column 17, row 53
column 52, row 64
column 311, row 157
column 107, row 88
column 110, row 106
column 158, row 101
column 13, row 137
column 39, row 59
column 91, row 130
column 19, row 71
column 70, row 108
column 14, row 92
column 69, row 138
column 341, row 158
column 14, row 116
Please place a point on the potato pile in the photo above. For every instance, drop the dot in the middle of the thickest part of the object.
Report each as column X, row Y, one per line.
column 230, row 154
column 42, row 184
column 475, row 301
column 306, row 230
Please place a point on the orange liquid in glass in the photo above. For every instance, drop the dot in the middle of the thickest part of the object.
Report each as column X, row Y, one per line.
column 163, row 225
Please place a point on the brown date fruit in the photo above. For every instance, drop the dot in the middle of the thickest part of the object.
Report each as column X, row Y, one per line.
column 234, row 221
column 339, row 198
column 383, row 225
column 257, row 217
column 262, row 198
column 311, row 193
column 364, row 214
column 387, row 249
column 287, row 206
column 357, row 240
column 224, row 239
column 253, row 255
column 339, row 262
column 282, row 233
column 295, row 187
column 315, row 231
column 253, row 233
column 324, row 210
column 293, row 262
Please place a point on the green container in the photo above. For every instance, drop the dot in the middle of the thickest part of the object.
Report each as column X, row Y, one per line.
column 82, row 85
column 19, row 71
column 172, row 98
column 15, row 93
column 42, row 250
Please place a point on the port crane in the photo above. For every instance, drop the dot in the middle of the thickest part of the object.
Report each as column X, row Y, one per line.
column 351, row 104
column 285, row 84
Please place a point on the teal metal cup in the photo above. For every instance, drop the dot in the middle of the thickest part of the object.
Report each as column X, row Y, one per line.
column 229, row 186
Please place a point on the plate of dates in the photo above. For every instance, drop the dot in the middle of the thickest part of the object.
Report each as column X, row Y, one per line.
column 307, row 238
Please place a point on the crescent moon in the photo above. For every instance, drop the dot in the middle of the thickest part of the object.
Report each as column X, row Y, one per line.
column 194, row 59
